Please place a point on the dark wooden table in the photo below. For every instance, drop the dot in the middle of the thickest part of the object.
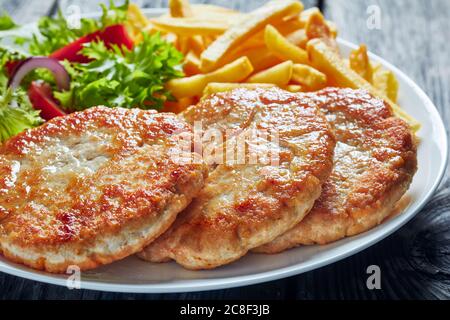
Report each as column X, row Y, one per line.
column 415, row 261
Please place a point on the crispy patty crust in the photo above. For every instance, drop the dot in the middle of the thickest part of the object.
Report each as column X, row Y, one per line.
column 243, row 206
column 375, row 161
column 92, row 187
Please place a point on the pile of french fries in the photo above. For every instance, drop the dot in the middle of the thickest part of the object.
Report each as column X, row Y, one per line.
column 278, row 44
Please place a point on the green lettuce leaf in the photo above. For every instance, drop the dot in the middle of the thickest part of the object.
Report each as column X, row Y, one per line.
column 16, row 112
column 55, row 32
column 6, row 22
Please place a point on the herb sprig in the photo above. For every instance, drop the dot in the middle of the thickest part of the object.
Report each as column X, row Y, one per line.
column 119, row 77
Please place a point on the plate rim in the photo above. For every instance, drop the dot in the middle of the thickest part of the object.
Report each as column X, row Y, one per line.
column 271, row 275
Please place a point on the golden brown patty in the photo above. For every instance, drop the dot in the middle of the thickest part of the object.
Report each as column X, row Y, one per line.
column 375, row 161
column 243, row 206
column 92, row 187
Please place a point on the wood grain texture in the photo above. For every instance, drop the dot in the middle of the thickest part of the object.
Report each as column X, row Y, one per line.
column 26, row 11
column 415, row 261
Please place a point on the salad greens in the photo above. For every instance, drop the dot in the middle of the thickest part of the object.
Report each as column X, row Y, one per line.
column 9, row 54
column 6, row 22
column 113, row 14
column 128, row 76
column 123, row 78
column 56, row 32
column 16, row 112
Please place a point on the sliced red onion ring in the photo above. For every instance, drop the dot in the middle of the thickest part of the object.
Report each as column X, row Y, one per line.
column 24, row 67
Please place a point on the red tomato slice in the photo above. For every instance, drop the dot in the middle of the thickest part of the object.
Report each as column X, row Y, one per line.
column 41, row 97
column 112, row 35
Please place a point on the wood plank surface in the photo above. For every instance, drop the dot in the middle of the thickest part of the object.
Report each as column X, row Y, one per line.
column 415, row 261
column 27, row 11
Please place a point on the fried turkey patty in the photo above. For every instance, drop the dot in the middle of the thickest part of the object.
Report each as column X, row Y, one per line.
column 243, row 206
column 374, row 163
column 92, row 187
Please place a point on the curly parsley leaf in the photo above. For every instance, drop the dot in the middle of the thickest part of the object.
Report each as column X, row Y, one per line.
column 57, row 32
column 9, row 54
column 114, row 14
column 119, row 77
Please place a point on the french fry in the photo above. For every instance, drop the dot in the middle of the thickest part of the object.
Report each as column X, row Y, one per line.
column 207, row 40
column 135, row 17
column 309, row 77
column 136, row 22
column 280, row 75
column 293, row 88
column 385, row 81
column 183, row 44
column 207, row 9
column 238, row 33
column 359, row 62
column 191, row 64
column 288, row 26
column 281, row 47
column 217, row 38
column 305, row 15
column 180, row 8
column 285, row 27
column 294, row 35
column 178, row 106
column 298, row 38
column 235, row 71
column 215, row 87
column 291, row 28
column 190, row 26
column 151, row 28
column 255, row 42
column 209, row 12
column 188, row 86
column 260, row 57
column 333, row 28
column 196, row 44
column 328, row 61
column 225, row 17
column 316, row 27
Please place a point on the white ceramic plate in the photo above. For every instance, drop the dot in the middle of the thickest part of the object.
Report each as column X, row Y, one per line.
column 134, row 275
